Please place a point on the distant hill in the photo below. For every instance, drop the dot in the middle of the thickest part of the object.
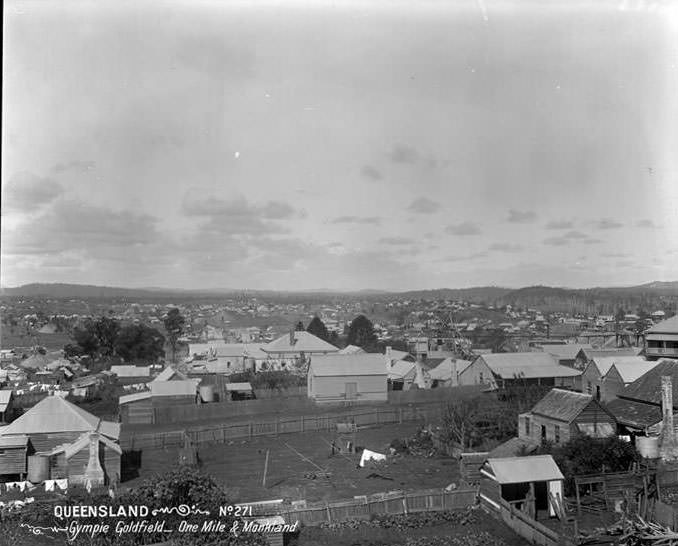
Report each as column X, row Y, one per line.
column 476, row 294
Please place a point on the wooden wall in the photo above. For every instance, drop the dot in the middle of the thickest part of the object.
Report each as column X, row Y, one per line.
column 13, row 460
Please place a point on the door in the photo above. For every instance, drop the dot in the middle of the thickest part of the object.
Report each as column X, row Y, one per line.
column 351, row 391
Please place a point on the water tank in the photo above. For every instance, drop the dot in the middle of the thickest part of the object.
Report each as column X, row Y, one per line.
column 38, row 468
column 648, row 446
column 207, row 393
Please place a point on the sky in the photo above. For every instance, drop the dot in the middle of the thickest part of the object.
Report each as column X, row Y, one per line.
column 340, row 145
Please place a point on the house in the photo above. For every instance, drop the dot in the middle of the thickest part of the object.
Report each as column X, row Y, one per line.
column 170, row 388
column 73, row 443
column 584, row 356
column 240, row 391
column 561, row 415
column 351, row 350
column 639, row 405
column 131, row 371
column 566, row 354
column 6, row 405
column 296, row 347
column 599, row 380
column 14, row 456
column 341, row 378
column 501, row 370
column 446, row 374
column 227, row 358
column 524, row 482
column 85, row 386
column 661, row 340
column 402, row 374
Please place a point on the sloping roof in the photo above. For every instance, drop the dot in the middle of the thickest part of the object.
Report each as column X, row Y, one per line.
column 512, row 448
column 668, row 326
column 5, row 398
column 351, row 350
column 52, row 414
column 134, row 397
column 19, row 440
column 341, row 365
column 168, row 373
column 402, row 369
column 565, row 352
column 400, row 355
column 562, row 405
column 530, row 365
column 234, row 350
column 443, row 371
column 131, row 371
column 633, row 367
column 185, row 387
column 535, row 468
column 110, row 429
column 35, row 362
column 634, row 414
column 621, row 351
column 304, row 343
column 648, row 386
column 82, row 442
column 238, row 387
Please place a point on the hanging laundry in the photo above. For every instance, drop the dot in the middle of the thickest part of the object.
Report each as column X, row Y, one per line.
column 30, row 486
column 88, row 486
column 21, row 486
column 62, row 484
column 11, row 486
column 49, row 485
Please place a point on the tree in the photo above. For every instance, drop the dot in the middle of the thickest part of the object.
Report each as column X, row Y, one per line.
column 317, row 328
column 459, row 422
column 138, row 342
column 97, row 338
column 361, row 333
column 174, row 326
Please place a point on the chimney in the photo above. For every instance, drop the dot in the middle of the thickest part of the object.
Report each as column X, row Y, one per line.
column 94, row 474
column 668, row 448
column 293, row 340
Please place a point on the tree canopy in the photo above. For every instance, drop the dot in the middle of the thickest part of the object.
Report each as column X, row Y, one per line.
column 174, row 326
column 317, row 328
column 361, row 333
column 138, row 342
column 96, row 338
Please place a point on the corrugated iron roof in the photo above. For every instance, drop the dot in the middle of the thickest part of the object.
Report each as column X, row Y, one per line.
column 633, row 368
column 5, row 398
column 52, row 414
column 534, row 468
column 305, row 342
column 512, row 448
column 648, row 386
column 19, row 440
column 402, row 369
column 127, row 398
column 185, row 387
column 341, row 365
column 562, row 405
column 239, row 387
column 668, row 326
column 567, row 351
column 530, row 365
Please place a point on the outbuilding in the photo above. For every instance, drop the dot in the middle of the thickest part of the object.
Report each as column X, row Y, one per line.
column 342, row 378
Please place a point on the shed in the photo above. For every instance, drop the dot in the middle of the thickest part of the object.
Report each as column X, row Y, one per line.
column 240, row 391
column 562, row 415
column 340, row 378
column 6, row 405
column 522, row 481
column 13, row 455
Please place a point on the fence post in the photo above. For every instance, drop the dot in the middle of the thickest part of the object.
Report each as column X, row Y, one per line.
column 302, row 423
column 405, row 503
column 251, row 427
column 400, row 415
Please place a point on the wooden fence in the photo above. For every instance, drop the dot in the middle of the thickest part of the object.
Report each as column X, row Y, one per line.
column 440, row 394
column 523, row 525
column 282, row 425
column 362, row 508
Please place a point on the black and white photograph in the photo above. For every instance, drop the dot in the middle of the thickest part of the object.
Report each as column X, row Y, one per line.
column 344, row 273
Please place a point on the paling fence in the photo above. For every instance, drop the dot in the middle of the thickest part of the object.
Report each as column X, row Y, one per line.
column 361, row 508
column 224, row 432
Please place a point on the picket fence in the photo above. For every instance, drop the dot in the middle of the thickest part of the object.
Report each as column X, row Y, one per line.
column 363, row 507
column 221, row 432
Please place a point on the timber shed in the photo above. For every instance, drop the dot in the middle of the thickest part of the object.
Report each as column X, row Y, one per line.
column 341, row 378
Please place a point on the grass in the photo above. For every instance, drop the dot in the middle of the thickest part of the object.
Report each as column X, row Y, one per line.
column 239, row 466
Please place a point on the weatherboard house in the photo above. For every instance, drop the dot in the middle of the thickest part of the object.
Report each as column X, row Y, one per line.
column 346, row 378
column 56, row 439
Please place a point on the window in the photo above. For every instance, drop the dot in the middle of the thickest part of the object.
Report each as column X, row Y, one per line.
column 543, row 433
column 527, row 426
column 556, row 433
column 589, row 388
column 481, row 377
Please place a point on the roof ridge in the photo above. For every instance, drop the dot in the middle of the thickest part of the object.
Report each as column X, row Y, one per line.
column 79, row 412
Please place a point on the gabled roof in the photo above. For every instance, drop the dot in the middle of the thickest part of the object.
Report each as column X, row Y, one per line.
column 131, row 371
column 400, row 355
column 351, row 350
column 621, row 351
column 443, row 371
column 633, row 367
column 52, row 414
column 668, row 326
column 346, row 365
column 562, row 405
column 185, row 387
column 5, row 398
column 402, row 369
column 304, row 343
column 81, row 443
column 168, row 373
column 512, row 448
column 530, row 365
column 535, row 468
column 565, row 352
column 648, row 386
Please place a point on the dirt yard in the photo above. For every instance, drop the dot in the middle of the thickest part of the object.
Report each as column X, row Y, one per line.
column 293, row 458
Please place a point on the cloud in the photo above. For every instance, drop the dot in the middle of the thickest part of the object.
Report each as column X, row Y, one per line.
column 521, row 217
column 505, row 247
column 423, row 205
column 403, row 154
column 615, row 255
column 470, row 257
column 374, row 220
column 608, row 223
column 556, row 224
column 465, row 228
column 575, row 235
column 646, row 224
column 74, row 166
column 368, row 171
column 592, row 241
column 25, row 191
column 396, row 241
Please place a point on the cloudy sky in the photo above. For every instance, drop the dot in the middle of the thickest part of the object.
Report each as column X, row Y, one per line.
column 341, row 145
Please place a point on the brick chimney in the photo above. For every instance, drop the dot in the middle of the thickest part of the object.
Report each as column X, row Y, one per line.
column 94, row 474
column 668, row 448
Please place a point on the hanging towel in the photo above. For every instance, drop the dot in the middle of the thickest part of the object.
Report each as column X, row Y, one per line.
column 30, row 486
column 62, row 484
column 49, row 485
column 88, row 486
column 11, row 486
column 21, row 486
